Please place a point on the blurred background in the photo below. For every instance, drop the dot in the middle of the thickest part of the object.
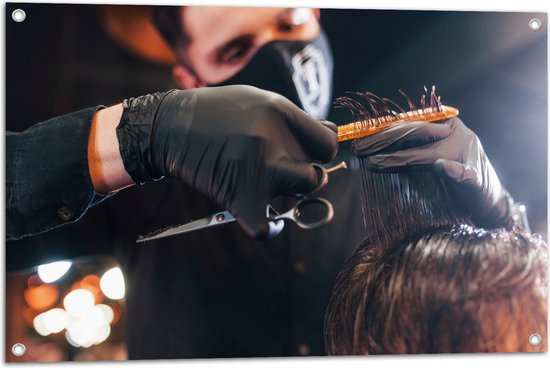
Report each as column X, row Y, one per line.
column 491, row 66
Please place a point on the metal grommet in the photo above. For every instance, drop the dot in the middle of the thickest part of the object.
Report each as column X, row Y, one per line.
column 18, row 349
column 18, row 15
column 535, row 24
column 535, row 339
column 65, row 213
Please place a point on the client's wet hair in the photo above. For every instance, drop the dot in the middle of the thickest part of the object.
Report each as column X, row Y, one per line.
column 452, row 289
column 424, row 280
column 402, row 203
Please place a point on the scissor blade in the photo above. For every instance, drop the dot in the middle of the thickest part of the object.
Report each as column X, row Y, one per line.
column 216, row 219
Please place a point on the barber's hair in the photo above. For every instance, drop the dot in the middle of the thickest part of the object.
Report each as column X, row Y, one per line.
column 167, row 20
column 452, row 289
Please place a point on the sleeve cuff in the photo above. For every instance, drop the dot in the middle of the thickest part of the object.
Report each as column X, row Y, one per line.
column 48, row 181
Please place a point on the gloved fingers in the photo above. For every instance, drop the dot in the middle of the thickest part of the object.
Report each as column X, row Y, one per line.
column 411, row 158
column 318, row 138
column 330, row 125
column 479, row 189
column 250, row 211
column 402, row 137
column 465, row 176
column 296, row 177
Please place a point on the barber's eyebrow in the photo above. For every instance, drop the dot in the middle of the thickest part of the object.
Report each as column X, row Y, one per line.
column 237, row 41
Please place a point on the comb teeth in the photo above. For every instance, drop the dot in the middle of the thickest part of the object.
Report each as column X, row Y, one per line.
column 375, row 113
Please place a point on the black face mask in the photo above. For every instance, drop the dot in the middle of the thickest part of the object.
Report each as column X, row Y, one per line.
column 299, row 70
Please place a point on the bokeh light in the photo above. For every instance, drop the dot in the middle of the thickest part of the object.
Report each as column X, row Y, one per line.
column 78, row 302
column 90, row 283
column 86, row 322
column 39, row 326
column 117, row 312
column 88, row 329
column 55, row 320
column 112, row 283
column 53, row 271
column 41, row 297
column 107, row 312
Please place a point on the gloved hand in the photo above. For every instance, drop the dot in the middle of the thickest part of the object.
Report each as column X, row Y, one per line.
column 238, row 145
column 454, row 152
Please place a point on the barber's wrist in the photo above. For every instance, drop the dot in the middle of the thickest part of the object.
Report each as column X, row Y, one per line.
column 134, row 136
column 104, row 162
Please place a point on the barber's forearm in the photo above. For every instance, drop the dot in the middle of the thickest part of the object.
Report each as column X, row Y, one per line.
column 104, row 160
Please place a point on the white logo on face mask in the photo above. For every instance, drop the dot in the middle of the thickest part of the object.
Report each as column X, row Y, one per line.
column 311, row 79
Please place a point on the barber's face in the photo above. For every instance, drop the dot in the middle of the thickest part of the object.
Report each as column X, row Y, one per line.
column 224, row 39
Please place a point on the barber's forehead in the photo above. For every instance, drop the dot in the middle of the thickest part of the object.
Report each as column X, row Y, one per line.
column 220, row 23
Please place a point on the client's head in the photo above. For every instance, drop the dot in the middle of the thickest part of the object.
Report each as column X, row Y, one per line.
column 452, row 289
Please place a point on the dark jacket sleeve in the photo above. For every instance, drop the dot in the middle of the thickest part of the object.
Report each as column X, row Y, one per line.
column 48, row 182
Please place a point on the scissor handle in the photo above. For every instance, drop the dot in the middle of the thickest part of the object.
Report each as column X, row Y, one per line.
column 323, row 178
column 298, row 213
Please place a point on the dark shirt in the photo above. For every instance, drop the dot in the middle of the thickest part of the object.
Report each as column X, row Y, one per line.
column 212, row 293
column 48, row 182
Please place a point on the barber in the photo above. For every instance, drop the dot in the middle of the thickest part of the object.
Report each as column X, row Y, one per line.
column 237, row 145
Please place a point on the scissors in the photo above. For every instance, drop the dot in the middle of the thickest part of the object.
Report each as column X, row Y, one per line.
column 308, row 213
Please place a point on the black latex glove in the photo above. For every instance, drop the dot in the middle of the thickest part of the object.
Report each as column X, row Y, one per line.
column 454, row 152
column 238, row 145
